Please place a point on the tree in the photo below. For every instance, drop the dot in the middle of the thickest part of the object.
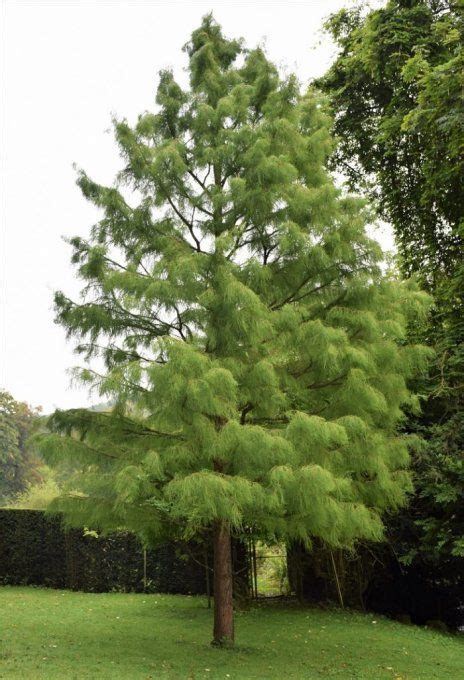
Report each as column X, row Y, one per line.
column 253, row 349
column 396, row 89
column 18, row 466
column 438, row 506
column 397, row 92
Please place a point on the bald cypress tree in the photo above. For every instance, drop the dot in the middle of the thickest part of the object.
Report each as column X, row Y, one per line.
column 254, row 351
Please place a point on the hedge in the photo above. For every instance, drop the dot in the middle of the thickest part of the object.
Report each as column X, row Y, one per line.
column 374, row 580
column 36, row 550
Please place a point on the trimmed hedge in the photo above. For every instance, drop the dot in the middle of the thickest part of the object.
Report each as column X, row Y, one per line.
column 36, row 550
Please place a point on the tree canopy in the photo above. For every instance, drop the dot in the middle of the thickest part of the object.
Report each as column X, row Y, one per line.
column 397, row 92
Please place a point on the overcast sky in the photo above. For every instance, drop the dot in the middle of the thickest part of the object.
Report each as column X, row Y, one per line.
column 67, row 66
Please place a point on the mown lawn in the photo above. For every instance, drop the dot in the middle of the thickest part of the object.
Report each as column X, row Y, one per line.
column 60, row 634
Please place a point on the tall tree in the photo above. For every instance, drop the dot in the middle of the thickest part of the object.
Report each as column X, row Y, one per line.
column 397, row 93
column 253, row 348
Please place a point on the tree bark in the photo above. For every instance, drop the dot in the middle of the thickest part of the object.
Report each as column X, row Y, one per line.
column 223, row 635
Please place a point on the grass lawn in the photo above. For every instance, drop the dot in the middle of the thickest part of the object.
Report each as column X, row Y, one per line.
column 60, row 634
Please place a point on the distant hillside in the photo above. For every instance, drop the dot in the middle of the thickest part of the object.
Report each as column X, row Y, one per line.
column 104, row 406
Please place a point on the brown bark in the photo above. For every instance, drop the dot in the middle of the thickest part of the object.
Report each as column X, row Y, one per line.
column 223, row 635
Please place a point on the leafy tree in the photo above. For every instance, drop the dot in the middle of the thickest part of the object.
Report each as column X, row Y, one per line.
column 440, row 465
column 253, row 350
column 18, row 466
column 397, row 93
column 396, row 88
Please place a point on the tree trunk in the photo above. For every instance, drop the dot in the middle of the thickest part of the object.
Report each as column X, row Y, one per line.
column 223, row 635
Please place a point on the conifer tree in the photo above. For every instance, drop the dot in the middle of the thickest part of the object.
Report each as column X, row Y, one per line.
column 253, row 349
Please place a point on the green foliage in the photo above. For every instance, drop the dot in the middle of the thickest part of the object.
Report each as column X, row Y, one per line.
column 438, row 506
column 440, row 464
column 254, row 351
column 271, row 570
column 397, row 90
column 18, row 466
column 39, row 495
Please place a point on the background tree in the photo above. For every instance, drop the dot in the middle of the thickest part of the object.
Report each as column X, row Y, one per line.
column 396, row 89
column 18, row 465
column 254, row 351
column 397, row 92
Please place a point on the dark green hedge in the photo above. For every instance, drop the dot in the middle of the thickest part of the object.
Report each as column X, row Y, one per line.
column 35, row 550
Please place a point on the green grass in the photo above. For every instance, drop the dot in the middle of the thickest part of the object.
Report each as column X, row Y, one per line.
column 51, row 634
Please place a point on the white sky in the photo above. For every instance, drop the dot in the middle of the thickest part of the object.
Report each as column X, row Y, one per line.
column 67, row 66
